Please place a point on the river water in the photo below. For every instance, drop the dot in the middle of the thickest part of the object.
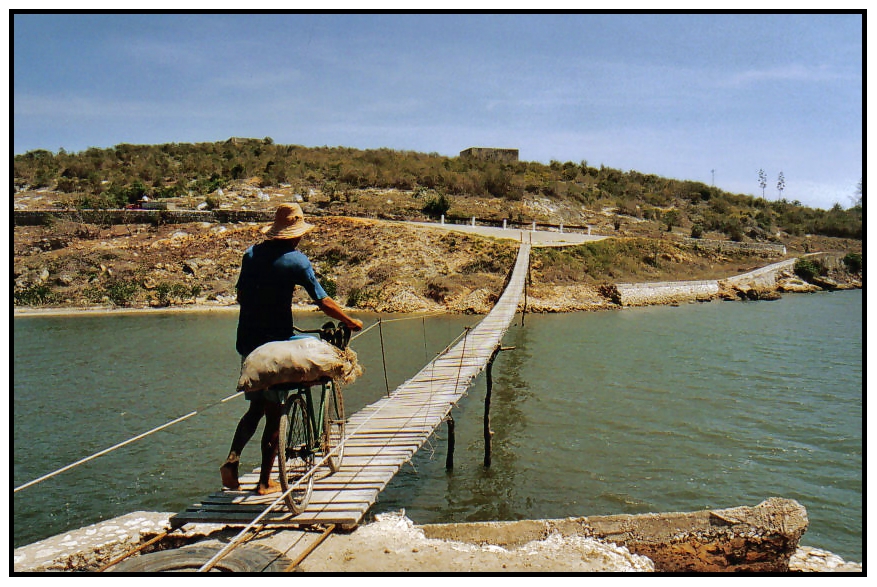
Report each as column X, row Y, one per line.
column 643, row 410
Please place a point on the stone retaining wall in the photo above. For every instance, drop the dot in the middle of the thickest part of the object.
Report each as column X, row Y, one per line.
column 644, row 294
column 703, row 243
column 666, row 292
column 763, row 278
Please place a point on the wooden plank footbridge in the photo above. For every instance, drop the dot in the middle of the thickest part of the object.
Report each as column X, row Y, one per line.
column 381, row 437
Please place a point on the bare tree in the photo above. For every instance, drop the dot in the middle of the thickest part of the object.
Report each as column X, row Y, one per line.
column 781, row 184
column 762, row 181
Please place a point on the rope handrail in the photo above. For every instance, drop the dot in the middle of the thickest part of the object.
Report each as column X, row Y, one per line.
column 103, row 452
column 174, row 421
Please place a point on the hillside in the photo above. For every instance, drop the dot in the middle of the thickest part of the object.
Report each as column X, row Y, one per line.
column 355, row 181
column 365, row 261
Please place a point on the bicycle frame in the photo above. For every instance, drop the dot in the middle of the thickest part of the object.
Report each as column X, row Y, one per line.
column 315, row 410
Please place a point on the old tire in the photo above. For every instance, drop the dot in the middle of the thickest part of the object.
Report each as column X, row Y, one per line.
column 249, row 558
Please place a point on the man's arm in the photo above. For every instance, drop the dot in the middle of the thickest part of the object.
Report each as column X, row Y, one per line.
column 333, row 310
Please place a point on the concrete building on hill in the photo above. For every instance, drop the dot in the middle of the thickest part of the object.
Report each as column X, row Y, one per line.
column 490, row 154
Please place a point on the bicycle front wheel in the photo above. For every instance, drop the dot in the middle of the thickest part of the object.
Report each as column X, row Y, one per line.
column 333, row 427
column 295, row 454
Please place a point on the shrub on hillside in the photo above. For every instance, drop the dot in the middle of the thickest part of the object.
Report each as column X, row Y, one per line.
column 122, row 292
column 437, row 206
column 34, row 295
column 329, row 286
column 853, row 262
column 168, row 293
column 807, row 269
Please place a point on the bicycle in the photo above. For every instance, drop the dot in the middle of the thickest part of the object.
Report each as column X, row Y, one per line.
column 310, row 429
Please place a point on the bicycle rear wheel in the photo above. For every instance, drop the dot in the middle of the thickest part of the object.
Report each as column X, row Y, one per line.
column 333, row 427
column 295, row 455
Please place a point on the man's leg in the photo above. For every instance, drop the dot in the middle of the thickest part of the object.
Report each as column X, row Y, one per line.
column 269, row 448
column 244, row 432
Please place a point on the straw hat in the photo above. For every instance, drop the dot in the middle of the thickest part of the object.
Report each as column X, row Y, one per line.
column 289, row 222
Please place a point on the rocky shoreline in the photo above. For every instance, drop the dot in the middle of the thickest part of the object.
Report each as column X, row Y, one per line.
column 383, row 267
column 765, row 284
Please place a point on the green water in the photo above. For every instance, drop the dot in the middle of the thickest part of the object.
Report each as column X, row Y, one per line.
column 655, row 409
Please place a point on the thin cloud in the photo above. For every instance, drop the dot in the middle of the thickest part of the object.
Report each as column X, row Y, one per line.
column 258, row 80
column 86, row 107
column 794, row 73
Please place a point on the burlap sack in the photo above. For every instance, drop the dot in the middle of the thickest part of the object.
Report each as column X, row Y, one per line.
column 300, row 360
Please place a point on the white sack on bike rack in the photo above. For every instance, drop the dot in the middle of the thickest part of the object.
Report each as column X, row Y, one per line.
column 301, row 360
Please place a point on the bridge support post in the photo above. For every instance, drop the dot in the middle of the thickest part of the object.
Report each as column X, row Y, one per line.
column 449, row 461
column 488, row 433
column 526, row 286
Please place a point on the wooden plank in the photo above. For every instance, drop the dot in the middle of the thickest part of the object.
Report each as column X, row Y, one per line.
column 364, row 434
column 244, row 518
column 366, row 461
column 319, row 495
column 357, row 483
column 389, row 443
column 254, row 510
column 411, row 410
column 381, row 424
column 365, row 451
column 372, row 473
column 403, row 416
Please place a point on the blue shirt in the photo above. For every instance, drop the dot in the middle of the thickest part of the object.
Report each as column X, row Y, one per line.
column 269, row 273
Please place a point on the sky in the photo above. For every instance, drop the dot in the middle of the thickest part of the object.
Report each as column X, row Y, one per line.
column 705, row 97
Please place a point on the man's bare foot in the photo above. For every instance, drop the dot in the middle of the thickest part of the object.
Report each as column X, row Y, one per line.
column 229, row 473
column 272, row 487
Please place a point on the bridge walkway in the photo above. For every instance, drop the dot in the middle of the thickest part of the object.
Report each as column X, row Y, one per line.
column 384, row 435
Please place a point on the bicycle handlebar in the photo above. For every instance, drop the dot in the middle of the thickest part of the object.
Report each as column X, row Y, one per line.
column 303, row 331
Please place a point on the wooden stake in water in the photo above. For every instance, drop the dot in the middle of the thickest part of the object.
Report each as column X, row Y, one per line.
column 488, row 433
column 449, row 461
column 383, row 356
